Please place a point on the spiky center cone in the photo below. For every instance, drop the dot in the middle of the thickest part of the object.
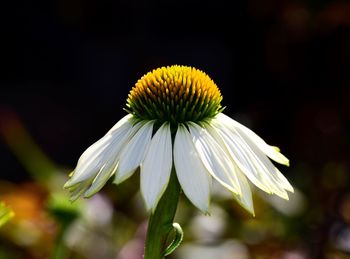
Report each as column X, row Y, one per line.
column 175, row 94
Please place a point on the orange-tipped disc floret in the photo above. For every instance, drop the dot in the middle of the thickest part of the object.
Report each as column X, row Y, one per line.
column 175, row 94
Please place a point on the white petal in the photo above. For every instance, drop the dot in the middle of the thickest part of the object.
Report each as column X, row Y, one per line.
column 245, row 199
column 156, row 168
column 109, row 168
column 100, row 180
column 132, row 155
column 214, row 158
column 264, row 174
column 191, row 173
column 96, row 155
column 285, row 183
column 237, row 150
column 77, row 190
column 275, row 176
column 89, row 162
column 126, row 119
column 246, row 133
column 93, row 152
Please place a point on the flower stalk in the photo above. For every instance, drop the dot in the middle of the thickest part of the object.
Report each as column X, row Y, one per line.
column 161, row 220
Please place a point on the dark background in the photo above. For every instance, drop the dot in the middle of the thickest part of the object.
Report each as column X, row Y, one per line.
column 282, row 67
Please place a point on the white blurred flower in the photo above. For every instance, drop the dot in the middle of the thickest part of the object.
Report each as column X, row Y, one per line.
column 225, row 250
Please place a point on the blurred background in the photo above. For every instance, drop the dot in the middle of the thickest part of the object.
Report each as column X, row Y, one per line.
column 67, row 67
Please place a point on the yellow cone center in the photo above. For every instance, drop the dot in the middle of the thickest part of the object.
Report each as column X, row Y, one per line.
column 176, row 94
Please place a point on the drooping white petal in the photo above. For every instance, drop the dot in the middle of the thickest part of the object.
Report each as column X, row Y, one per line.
column 92, row 154
column 276, row 176
column 238, row 153
column 132, row 155
column 193, row 177
column 126, row 119
column 111, row 157
column 245, row 199
column 264, row 174
column 214, row 158
column 88, row 163
column 77, row 190
column 96, row 155
column 156, row 168
column 271, row 151
column 102, row 177
column 282, row 179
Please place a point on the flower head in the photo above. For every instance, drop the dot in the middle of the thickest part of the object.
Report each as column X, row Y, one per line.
column 176, row 94
column 175, row 121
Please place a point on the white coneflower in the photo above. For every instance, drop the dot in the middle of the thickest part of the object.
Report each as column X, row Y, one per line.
column 175, row 121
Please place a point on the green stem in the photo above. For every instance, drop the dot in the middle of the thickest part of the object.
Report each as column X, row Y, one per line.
column 60, row 250
column 161, row 221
